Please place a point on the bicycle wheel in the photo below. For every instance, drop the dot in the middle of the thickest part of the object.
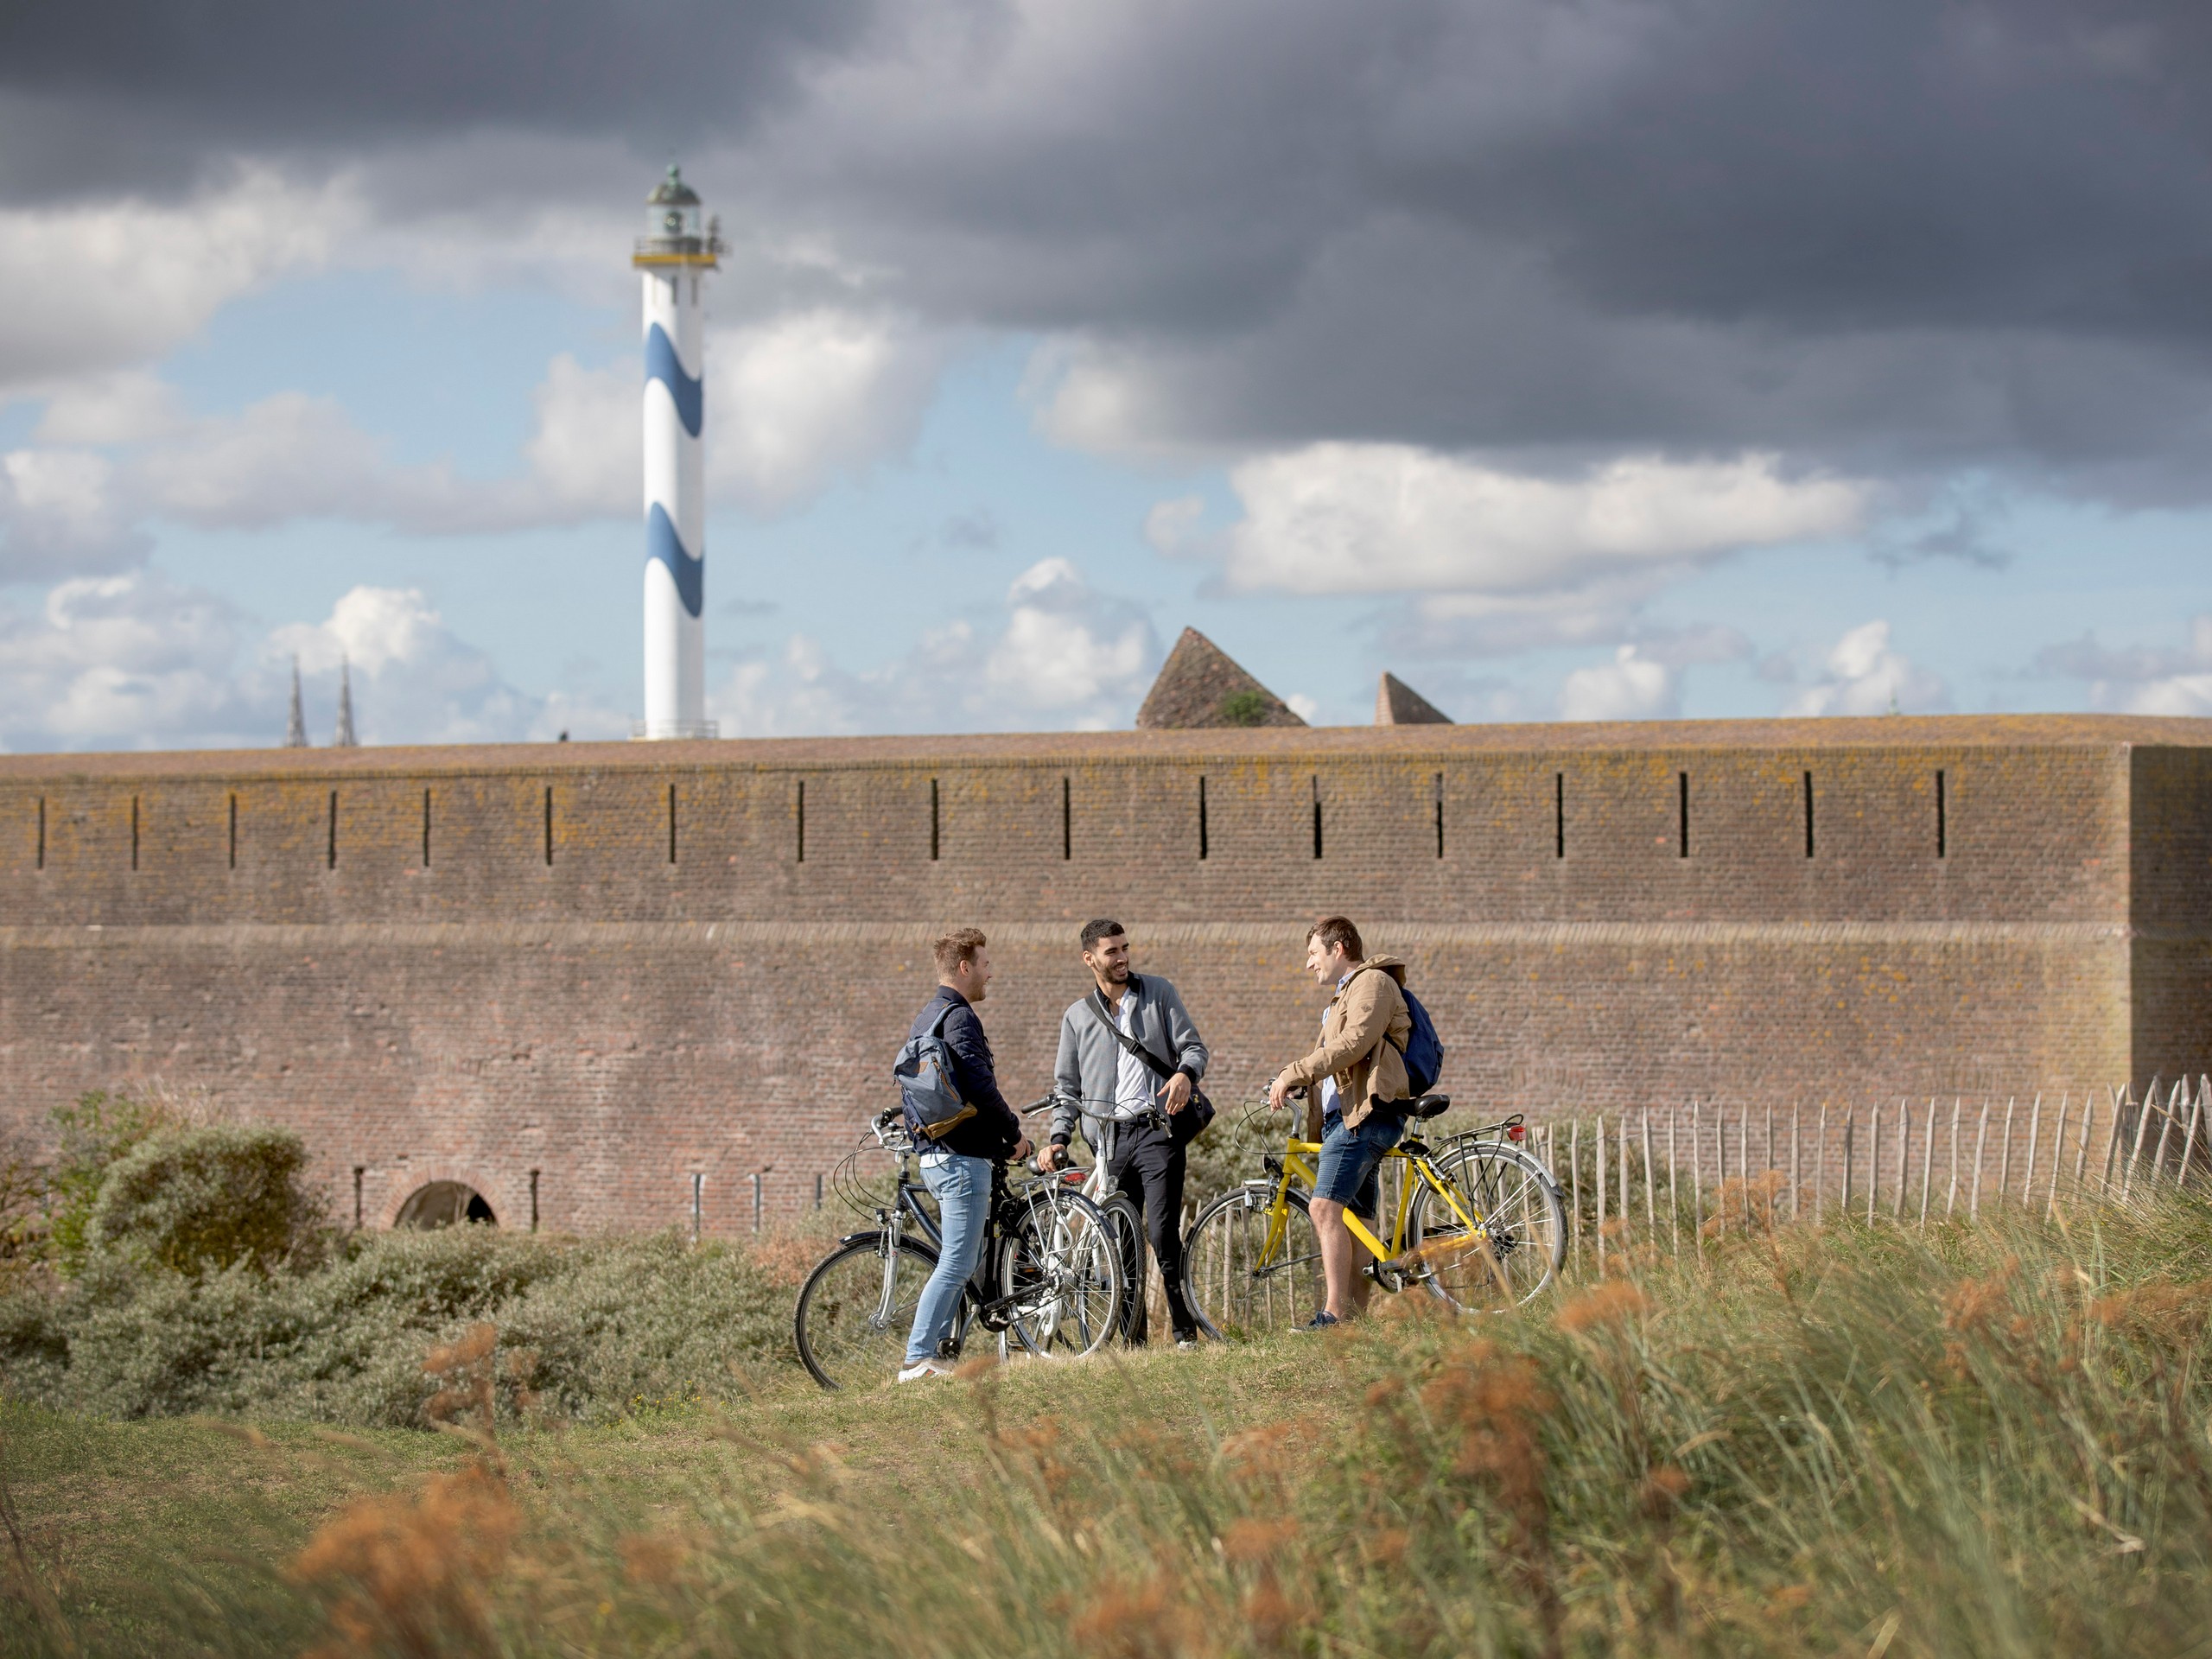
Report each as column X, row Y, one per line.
column 1062, row 1275
column 1126, row 1226
column 1244, row 1275
column 856, row 1309
column 1522, row 1236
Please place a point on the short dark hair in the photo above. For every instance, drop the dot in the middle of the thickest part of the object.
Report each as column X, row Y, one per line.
column 1337, row 932
column 957, row 947
column 1101, row 929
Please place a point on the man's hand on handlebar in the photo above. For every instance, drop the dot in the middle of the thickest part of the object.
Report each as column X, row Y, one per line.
column 1021, row 1148
column 1279, row 1092
column 1050, row 1158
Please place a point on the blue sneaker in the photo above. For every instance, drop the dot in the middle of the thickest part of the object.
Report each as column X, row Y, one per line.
column 1320, row 1321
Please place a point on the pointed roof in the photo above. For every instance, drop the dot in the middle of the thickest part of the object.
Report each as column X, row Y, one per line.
column 1199, row 686
column 296, row 728
column 345, row 738
column 1397, row 704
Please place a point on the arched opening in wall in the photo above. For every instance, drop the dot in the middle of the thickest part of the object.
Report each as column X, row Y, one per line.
column 444, row 1203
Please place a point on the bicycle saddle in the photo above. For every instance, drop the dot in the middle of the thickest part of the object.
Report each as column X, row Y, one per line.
column 1430, row 1106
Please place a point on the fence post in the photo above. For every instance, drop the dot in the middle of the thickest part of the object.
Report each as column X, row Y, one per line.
column 1744, row 1163
column 1820, row 1167
column 2158, row 1158
column 2113, row 1132
column 1600, row 1155
column 1904, row 1156
column 1926, row 1161
column 1951, row 1187
column 1674, row 1192
column 2142, row 1133
column 1843, row 1208
column 1650, row 1203
column 1796, row 1168
column 1574, row 1182
column 1697, row 1180
column 2082, row 1156
column 1980, row 1138
column 2189, row 1142
column 2035, row 1130
column 2057, row 1154
column 2004, row 1155
column 1873, row 1159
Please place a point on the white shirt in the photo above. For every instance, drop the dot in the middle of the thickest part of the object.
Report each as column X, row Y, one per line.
column 1132, row 1082
column 1331, row 1106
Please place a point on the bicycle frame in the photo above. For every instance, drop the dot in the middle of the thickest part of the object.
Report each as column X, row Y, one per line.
column 1293, row 1165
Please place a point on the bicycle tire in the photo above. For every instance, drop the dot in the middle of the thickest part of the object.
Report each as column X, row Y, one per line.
column 1125, row 1222
column 1063, row 1270
column 1230, row 1291
column 1512, row 1196
column 844, row 1338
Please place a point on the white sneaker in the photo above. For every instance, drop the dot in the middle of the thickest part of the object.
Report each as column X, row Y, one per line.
column 924, row 1368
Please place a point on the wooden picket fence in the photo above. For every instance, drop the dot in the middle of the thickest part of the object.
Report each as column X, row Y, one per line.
column 1668, row 1182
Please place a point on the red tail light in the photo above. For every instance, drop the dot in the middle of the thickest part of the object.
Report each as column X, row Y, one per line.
column 1518, row 1132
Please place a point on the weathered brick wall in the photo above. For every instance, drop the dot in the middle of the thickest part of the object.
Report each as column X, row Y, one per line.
column 700, row 957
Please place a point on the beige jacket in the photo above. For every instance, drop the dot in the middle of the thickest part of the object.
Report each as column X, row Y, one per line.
column 1363, row 1036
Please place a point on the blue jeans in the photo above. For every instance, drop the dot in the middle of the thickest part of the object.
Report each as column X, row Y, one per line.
column 962, row 1186
column 1350, row 1158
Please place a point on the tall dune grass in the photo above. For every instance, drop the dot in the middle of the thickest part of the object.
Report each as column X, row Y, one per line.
column 1984, row 1440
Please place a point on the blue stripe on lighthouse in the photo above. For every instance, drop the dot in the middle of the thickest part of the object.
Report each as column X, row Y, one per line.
column 663, row 542
column 662, row 365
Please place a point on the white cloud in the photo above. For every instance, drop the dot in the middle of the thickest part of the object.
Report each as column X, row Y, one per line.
column 137, row 661
column 1175, row 528
column 59, row 513
column 108, row 285
column 1364, row 519
column 2141, row 680
column 1062, row 654
column 1865, row 677
column 1631, row 687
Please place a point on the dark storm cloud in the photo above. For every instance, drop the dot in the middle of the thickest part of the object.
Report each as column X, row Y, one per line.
column 139, row 94
column 1903, row 237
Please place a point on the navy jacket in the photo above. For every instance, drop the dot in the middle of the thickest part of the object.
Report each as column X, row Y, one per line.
column 994, row 1130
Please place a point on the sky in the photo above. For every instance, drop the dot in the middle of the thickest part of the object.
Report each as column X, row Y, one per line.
column 1585, row 360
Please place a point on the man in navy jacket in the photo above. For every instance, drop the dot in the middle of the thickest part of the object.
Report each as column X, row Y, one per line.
column 958, row 1166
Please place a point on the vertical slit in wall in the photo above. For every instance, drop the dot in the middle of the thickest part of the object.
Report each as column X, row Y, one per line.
column 234, row 832
column 134, row 832
column 533, row 1200
column 1317, row 816
column 1942, row 835
column 1067, row 822
column 802, row 820
column 42, row 832
column 1682, row 815
column 1440, row 815
column 933, row 819
column 671, row 823
column 330, row 854
column 1809, row 815
column 426, row 828
column 358, row 1173
column 1559, row 815
column 1202, row 817
column 549, row 823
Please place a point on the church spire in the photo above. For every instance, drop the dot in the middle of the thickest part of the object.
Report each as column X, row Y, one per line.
column 295, row 728
column 345, row 739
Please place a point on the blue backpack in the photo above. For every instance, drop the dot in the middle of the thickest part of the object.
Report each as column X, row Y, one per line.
column 1424, row 1054
column 924, row 1072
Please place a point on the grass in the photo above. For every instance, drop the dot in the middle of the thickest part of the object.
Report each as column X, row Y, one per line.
column 1992, row 1440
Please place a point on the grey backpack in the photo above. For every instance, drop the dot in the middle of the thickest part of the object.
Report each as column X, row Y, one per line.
column 924, row 1073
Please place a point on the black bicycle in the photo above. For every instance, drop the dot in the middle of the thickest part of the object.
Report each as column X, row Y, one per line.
column 1124, row 1220
column 1048, row 1280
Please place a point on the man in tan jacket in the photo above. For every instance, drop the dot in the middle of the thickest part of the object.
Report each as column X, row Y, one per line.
column 1355, row 1112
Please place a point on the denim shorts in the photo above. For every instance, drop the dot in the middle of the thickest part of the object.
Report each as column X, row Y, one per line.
column 1350, row 1158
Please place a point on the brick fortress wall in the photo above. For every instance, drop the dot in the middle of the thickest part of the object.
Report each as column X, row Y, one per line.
column 621, row 966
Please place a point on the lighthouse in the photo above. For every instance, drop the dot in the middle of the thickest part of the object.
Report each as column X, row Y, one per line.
column 672, row 259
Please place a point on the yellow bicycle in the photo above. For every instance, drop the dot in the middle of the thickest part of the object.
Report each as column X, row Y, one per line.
column 1477, row 1221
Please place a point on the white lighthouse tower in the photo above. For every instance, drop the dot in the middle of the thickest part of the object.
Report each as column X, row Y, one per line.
column 673, row 257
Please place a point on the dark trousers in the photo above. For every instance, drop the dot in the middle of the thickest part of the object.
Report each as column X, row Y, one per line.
column 1147, row 1165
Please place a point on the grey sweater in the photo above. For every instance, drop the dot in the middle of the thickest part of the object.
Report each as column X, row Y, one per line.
column 1090, row 1058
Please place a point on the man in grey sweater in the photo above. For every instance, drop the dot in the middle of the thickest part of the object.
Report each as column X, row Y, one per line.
column 1141, row 1150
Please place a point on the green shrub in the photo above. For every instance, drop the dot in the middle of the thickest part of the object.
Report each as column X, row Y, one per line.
column 1245, row 708
column 601, row 1326
column 94, row 1131
column 196, row 1199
